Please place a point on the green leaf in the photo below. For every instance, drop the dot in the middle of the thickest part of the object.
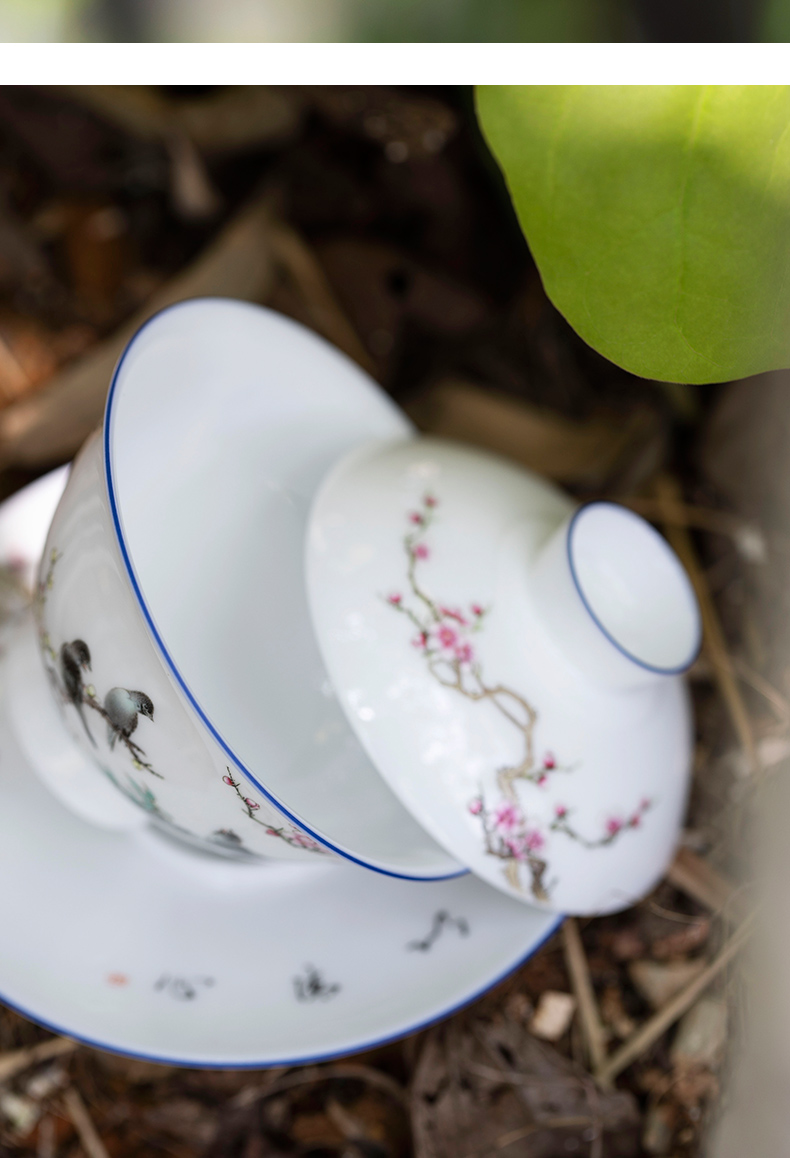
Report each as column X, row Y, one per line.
column 659, row 218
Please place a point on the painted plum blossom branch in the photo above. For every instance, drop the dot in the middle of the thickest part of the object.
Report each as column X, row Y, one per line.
column 291, row 835
column 510, row 836
column 615, row 825
column 444, row 637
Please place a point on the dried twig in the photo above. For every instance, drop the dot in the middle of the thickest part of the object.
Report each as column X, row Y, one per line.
column 83, row 1124
column 45, row 1140
column 671, row 915
column 579, row 973
column 17, row 1060
column 566, row 1123
column 191, row 190
column 348, row 1124
column 766, row 689
column 681, row 514
column 310, row 1075
column 13, row 378
column 695, row 877
column 328, row 316
column 589, row 452
column 500, row 1074
column 669, row 494
column 653, row 1028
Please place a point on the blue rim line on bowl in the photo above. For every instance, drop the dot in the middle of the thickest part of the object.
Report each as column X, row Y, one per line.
column 668, row 671
column 108, row 418
column 307, row 1060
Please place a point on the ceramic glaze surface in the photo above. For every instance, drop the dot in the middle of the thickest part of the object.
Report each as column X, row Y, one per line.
column 174, row 620
column 188, row 959
column 25, row 521
column 635, row 589
column 551, row 784
column 96, row 652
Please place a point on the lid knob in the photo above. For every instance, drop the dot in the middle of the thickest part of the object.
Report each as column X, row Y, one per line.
column 616, row 597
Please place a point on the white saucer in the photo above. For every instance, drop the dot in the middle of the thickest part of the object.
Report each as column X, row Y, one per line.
column 135, row 946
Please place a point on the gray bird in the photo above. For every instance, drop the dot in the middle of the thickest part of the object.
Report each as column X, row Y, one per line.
column 226, row 838
column 74, row 658
column 121, row 708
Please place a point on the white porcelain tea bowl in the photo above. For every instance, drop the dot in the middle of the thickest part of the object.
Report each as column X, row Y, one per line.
column 171, row 612
column 511, row 664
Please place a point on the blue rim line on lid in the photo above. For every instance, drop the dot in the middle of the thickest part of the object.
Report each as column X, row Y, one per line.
column 149, row 619
column 668, row 671
column 209, row 1063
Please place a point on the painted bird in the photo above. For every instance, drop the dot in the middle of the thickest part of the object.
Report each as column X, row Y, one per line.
column 229, row 840
column 121, row 708
column 74, row 658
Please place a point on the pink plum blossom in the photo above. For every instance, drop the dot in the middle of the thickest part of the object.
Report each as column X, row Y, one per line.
column 464, row 653
column 303, row 840
column 613, row 825
column 453, row 613
column 229, row 780
column 416, row 518
column 447, row 636
column 522, row 844
column 476, row 806
column 251, row 804
column 542, row 781
column 635, row 820
column 421, row 551
column 431, row 501
column 517, row 847
column 560, row 812
column 507, row 817
column 477, row 610
column 420, row 640
column 549, row 761
column 395, row 599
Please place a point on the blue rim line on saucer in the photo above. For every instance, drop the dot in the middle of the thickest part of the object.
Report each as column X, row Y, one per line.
column 108, row 414
column 668, row 671
column 310, row 1059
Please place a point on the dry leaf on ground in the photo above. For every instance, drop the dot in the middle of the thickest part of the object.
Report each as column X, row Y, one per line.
column 477, row 1086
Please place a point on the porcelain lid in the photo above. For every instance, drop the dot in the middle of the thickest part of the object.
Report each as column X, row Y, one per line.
column 508, row 662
